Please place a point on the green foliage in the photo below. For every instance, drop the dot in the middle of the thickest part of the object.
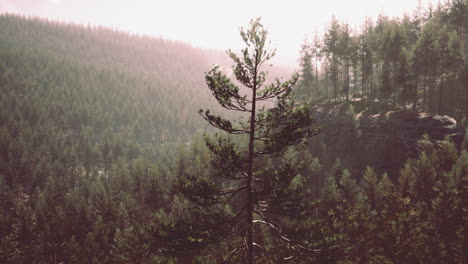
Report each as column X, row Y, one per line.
column 383, row 222
column 90, row 170
column 369, row 185
column 415, row 61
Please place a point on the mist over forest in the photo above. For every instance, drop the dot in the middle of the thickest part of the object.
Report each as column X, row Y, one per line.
column 126, row 148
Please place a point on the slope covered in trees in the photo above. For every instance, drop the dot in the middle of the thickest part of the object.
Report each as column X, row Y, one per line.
column 115, row 83
column 78, row 106
column 416, row 62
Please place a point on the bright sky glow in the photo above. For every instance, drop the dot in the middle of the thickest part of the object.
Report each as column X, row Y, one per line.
column 215, row 23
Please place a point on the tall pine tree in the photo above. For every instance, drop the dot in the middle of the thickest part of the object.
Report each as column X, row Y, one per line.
column 256, row 180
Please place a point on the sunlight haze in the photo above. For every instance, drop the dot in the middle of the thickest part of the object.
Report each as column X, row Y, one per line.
column 213, row 131
column 213, row 23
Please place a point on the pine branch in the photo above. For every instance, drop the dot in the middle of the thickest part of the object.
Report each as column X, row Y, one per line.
column 225, row 92
column 277, row 89
column 221, row 123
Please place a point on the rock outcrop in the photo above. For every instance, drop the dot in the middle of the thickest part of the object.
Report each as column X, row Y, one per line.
column 381, row 139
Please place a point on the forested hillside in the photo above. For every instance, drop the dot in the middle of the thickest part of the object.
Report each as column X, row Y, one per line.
column 416, row 62
column 74, row 102
column 111, row 82
column 102, row 158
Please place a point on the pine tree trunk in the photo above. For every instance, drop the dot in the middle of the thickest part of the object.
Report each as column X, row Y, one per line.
column 363, row 86
column 392, row 85
column 378, row 86
column 355, row 82
column 415, row 98
column 249, row 206
column 441, row 87
column 347, row 78
column 430, row 94
column 335, row 79
column 424, row 93
column 316, row 77
column 326, row 84
column 372, row 86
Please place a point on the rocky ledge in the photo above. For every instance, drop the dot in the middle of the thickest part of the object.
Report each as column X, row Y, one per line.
column 382, row 139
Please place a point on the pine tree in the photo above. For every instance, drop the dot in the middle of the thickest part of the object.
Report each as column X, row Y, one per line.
column 354, row 56
column 306, row 72
column 406, row 180
column 425, row 56
column 331, row 49
column 366, row 59
column 316, row 52
column 369, row 186
column 270, row 130
column 128, row 247
column 406, row 81
column 344, row 47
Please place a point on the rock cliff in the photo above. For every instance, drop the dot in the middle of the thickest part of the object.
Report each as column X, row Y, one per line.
column 382, row 139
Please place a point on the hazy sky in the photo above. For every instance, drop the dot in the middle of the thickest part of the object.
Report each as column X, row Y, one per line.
column 214, row 23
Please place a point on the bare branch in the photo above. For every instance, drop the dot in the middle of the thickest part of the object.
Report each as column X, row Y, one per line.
column 221, row 123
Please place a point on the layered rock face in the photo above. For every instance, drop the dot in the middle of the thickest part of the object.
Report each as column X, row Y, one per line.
column 381, row 139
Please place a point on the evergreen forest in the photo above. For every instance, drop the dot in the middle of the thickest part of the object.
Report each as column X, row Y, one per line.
column 124, row 148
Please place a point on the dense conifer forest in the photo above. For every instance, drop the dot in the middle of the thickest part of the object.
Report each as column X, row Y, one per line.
column 415, row 62
column 104, row 157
